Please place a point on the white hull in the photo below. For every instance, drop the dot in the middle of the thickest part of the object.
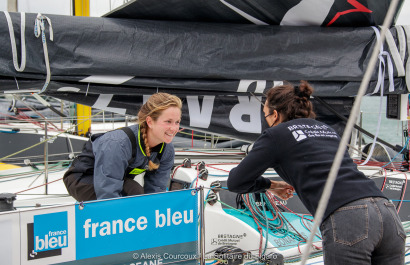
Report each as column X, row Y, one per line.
column 222, row 226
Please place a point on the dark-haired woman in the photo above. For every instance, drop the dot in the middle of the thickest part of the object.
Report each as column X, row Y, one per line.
column 113, row 174
column 360, row 226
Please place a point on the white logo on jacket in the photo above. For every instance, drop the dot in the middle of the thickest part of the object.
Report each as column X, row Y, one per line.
column 299, row 135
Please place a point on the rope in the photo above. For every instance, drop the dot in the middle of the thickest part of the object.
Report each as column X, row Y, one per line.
column 48, row 139
column 12, row 177
column 403, row 192
column 39, row 26
column 39, row 185
column 35, row 111
column 13, row 41
column 380, row 86
column 391, row 161
column 279, row 228
column 346, row 135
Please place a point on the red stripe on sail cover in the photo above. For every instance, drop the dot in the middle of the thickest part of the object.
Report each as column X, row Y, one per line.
column 359, row 8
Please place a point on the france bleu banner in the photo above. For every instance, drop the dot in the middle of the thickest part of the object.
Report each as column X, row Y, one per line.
column 159, row 228
column 50, row 231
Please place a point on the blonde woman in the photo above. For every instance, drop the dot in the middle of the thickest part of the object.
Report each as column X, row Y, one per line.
column 115, row 163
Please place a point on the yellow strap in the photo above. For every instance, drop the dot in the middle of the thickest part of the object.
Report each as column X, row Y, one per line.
column 137, row 171
column 139, row 143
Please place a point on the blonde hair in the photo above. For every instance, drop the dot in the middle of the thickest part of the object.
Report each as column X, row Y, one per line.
column 153, row 108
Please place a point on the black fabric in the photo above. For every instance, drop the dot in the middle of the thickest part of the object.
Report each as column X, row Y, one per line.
column 131, row 187
column 302, row 151
column 345, row 13
column 83, row 191
column 200, row 51
column 78, row 189
column 196, row 59
column 133, row 140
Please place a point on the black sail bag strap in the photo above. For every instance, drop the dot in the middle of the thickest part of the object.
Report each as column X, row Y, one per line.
column 133, row 140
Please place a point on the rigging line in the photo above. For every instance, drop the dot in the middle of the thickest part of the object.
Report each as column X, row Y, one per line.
column 326, row 105
column 39, row 186
column 260, row 101
column 25, row 117
column 36, row 111
column 346, row 134
column 385, row 178
column 71, row 147
column 403, row 190
column 41, row 173
column 88, row 87
column 360, row 152
column 13, row 41
column 20, row 117
column 378, row 122
column 17, row 83
column 47, row 104
column 41, row 156
column 391, row 161
column 48, row 139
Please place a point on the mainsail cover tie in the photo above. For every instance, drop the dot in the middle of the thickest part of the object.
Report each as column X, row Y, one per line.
column 13, row 41
column 39, row 26
column 401, row 37
column 397, row 59
column 382, row 67
column 380, row 83
column 407, row 30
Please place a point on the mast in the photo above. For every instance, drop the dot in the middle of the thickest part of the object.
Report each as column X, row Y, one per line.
column 12, row 5
column 82, row 8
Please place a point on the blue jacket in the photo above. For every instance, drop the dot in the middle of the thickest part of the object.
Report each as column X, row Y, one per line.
column 112, row 152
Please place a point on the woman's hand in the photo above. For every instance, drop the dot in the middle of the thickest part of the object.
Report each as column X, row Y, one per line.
column 281, row 189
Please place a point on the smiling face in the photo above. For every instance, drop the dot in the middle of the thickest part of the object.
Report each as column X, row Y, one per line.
column 164, row 128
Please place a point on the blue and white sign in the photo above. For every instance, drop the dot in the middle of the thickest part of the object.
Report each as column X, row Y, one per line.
column 136, row 223
column 50, row 231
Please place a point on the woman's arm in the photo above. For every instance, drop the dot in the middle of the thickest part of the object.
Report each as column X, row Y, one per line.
column 246, row 177
column 111, row 160
column 281, row 189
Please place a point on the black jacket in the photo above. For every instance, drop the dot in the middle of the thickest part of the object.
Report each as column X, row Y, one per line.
column 302, row 151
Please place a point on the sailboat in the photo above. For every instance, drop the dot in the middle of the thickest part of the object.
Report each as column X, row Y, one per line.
column 219, row 57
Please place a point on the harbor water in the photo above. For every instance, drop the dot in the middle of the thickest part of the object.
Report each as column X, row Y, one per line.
column 390, row 130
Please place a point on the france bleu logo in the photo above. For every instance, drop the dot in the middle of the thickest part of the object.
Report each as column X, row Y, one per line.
column 50, row 231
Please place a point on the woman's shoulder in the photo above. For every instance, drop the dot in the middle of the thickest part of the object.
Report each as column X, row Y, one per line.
column 169, row 148
column 301, row 122
column 289, row 126
column 117, row 136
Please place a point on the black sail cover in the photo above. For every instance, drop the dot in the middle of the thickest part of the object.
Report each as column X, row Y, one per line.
column 220, row 67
